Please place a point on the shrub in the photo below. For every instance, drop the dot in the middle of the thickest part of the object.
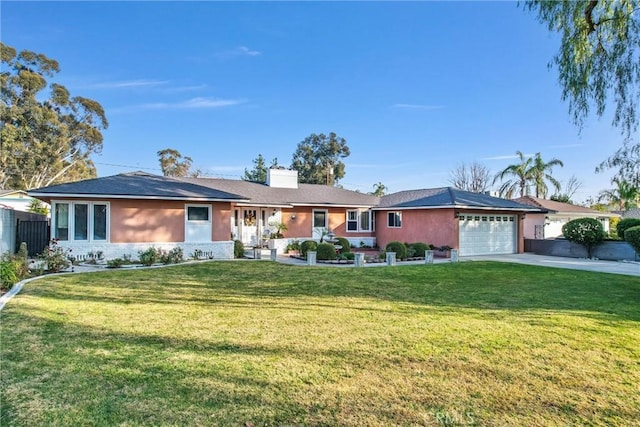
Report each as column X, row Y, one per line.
column 348, row 256
column 625, row 224
column 326, row 251
column 55, row 257
column 613, row 228
column 585, row 231
column 151, row 256
column 308, row 245
column 344, row 242
column 13, row 268
column 398, row 247
column 417, row 249
column 238, row 249
column 293, row 246
column 174, row 256
column 115, row 263
column 632, row 235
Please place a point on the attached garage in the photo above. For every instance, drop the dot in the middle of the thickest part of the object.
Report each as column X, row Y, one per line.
column 487, row 234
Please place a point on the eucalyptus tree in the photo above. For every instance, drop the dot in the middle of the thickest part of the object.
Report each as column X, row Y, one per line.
column 46, row 135
column 318, row 159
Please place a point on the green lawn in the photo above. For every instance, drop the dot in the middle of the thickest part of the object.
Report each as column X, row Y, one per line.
column 229, row 343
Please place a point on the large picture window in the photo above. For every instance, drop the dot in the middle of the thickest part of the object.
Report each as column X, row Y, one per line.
column 85, row 221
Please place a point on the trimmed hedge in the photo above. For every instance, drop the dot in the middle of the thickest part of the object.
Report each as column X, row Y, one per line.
column 346, row 246
column 306, row 246
column 417, row 249
column 632, row 236
column 625, row 224
column 326, row 251
column 398, row 247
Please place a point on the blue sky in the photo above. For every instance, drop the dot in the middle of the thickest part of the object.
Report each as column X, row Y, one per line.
column 416, row 88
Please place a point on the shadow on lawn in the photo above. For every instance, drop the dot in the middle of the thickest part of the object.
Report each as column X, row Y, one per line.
column 152, row 379
column 475, row 285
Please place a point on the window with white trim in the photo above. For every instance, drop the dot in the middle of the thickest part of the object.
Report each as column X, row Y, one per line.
column 394, row 219
column 80, row 221
column 358, row 220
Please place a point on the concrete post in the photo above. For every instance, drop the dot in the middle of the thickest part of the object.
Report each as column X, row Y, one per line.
column 257, row 253
column 274, row 254
column 454, row 255
column 391, row 258
column 428, row 256
column 359, row 259
column 311, row 257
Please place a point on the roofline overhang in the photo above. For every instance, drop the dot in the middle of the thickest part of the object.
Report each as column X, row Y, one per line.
column 477, row 208
column 262, row 205
column 333, row 205
column 131, row 197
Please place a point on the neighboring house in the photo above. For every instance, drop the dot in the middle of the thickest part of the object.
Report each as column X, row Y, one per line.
column 476, row 224
column 631, row 213
column 125, row 213
column 549, row 225
column 15, row 199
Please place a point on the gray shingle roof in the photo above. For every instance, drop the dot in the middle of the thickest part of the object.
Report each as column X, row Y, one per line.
column 305, row 194
column 560, row 207
column 449, row 197
column 137, row 185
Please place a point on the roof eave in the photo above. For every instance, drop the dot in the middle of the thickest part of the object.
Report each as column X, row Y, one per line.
column 132, row 197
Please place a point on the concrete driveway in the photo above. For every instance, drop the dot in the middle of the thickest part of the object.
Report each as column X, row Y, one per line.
column 616, row 267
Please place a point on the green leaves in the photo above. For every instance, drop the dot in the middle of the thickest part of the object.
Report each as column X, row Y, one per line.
column 317, row 159
column 47, row 136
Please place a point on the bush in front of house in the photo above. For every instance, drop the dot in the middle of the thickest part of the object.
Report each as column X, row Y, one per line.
column 588, row 232
column 306, row 246
column 238, row 249
column 417, row 249
column 632, row 236
column 55, row 257
column 326, row 251
column 150, row 256
column 344, row 242
column 398, row 247
column 13, row 268
column 174, row 256
column 625, row 224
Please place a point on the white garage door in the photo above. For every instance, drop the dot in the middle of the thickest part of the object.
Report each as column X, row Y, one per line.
column 487, row 234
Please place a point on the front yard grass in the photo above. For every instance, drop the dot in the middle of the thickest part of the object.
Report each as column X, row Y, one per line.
column 229, row 343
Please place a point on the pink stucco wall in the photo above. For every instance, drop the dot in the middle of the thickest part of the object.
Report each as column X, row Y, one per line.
column 529, row 224
column 302, row 225
column 438, row 227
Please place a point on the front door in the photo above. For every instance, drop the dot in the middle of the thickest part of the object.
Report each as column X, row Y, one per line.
column 249, row 227
column 320, row 224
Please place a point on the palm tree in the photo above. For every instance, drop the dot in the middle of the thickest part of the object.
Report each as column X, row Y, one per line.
column 624, row 196
column 521, row 177
column 540, row 172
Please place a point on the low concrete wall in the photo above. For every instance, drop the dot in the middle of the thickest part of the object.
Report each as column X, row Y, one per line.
column 219, row 250
column 608, row 250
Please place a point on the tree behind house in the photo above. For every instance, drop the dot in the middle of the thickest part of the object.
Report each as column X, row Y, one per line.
column 317, row 159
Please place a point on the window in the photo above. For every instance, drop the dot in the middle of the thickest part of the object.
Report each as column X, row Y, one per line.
column 197, row 213
column 80, row 221
column 99, row 222
column 319, row 219
column 352, row 220
column 358, row 220
column 394, row 220
column 365, row 221
column 61, row 221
